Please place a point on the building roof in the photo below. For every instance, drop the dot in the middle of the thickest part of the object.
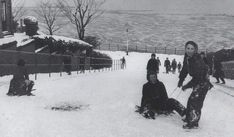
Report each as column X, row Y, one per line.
column 65, row 39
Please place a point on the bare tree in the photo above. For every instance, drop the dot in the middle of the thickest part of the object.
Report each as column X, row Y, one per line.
column 18, row 9
column 48, row 13
column 81, row 12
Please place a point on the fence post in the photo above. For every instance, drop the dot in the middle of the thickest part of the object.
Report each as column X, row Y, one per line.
column 109, row 46
column 89, row 64
column 175, row 50
column 50, row 65
column 118, row 47
column 61, row 66
column 77, row 62
column 165, row 50
column 35, row 57
column 155, row 49
column 145, row 48
column 136, row 48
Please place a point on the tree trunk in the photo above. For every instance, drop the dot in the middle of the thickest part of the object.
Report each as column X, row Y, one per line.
column 81, row 34
column 51, row 32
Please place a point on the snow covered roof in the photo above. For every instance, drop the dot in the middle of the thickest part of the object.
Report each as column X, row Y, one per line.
column 22, row 39
column 7, row 40
column 66, row 39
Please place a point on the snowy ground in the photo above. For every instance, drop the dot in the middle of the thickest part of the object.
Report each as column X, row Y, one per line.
column 109, row 100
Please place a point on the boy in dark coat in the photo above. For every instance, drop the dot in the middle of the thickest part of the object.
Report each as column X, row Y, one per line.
column 20, row 84
column 123, row 63
column 179, row 67
column 159, row 62
column 155, row 99
column 167, row 65
column 173, row 65
column 152, row 65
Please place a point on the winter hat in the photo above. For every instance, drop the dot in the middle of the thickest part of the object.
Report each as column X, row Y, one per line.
column 152, row 73
column 153, row 55
column 193, row 44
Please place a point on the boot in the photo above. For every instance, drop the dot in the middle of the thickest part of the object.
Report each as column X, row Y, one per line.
column 190, row 126
column 217, row 80
column 210, row 86
column 223, row 81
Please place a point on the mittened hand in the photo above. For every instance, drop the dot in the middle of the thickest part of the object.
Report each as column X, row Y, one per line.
column 180, row 83
column 184, row 88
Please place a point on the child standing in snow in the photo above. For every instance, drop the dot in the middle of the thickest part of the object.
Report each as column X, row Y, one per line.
column 194, row 65
column 152, row 65
column 20, row 84
column 123, row 63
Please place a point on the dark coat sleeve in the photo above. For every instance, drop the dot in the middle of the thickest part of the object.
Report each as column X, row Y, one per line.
column 144, row 96
column 164, row 95
column 184, row 71
column 148, row 64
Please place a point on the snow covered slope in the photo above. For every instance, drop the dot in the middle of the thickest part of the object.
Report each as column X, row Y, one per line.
column 109, row 100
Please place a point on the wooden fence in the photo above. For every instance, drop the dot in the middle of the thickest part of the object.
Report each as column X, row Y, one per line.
column 48, row 63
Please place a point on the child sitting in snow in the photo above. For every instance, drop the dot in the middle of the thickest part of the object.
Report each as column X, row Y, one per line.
column 155, row 99
column 20, row 84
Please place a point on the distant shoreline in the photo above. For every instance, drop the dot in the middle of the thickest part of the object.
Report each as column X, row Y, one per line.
column 148, row 12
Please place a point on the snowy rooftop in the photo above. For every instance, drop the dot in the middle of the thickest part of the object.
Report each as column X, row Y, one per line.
column 22, row 39
column 66, row 39
column 7, row 39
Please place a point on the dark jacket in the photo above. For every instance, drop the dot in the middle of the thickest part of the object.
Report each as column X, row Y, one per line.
column 17, row 84
column 167, row 63
column 205, row 61
column 159, row 62
column 218, row 72
column 152, row 65
column 174, row 64
column 154, row 95
column 20, row 73
column 179, row 66
column 196, row 68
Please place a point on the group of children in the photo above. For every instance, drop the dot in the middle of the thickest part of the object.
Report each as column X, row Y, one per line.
column 154, row 96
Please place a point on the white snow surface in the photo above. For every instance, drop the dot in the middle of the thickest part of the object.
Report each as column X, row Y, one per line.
column 109, row 98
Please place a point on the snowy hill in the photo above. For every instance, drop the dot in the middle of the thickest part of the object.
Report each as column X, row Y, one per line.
column 108, row 99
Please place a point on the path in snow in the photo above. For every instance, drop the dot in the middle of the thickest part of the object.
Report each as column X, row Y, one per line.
column 111, row 98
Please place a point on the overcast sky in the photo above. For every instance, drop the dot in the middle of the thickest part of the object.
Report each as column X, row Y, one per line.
column 167, row 6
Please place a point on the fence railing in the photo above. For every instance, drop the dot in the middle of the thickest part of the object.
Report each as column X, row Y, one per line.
column 48, row 63
column 145, row 49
